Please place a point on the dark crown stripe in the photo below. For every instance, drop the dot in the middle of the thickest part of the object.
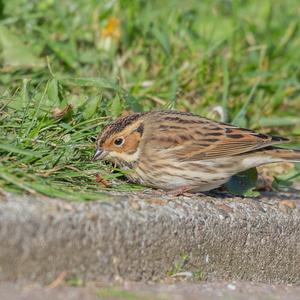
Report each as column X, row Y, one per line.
column 119, row 125
column 140, row 129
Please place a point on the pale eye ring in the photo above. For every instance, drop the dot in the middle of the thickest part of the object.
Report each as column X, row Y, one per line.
column 119, row 141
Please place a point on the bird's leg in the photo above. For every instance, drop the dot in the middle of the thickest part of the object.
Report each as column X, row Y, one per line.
column 183, row 190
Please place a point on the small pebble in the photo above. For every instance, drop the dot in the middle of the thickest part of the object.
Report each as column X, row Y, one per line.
column 231, row 286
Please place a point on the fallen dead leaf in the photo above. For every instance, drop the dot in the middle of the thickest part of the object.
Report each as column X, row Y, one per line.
column 156, row 201
column 58, row 281
column 264, row 182
column 102, row 181
column 288, row 203
column 58, row 113
column 225, row 207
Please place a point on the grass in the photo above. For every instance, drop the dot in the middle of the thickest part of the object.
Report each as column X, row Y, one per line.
column 183, row 265
column 115, row 293
column 67, row 67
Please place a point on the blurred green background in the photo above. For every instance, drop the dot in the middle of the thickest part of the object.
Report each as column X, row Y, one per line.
column 68, row 66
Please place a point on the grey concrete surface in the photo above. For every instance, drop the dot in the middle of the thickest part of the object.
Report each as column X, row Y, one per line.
column 141, row 291
column 144, row 236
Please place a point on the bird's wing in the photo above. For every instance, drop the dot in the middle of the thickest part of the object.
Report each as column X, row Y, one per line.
column 189, row 137
column 225, row 142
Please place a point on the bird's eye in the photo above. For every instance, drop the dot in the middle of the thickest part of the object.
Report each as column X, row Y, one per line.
column 119, row 141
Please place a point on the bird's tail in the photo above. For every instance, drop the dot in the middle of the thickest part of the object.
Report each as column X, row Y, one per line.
column 283, row 154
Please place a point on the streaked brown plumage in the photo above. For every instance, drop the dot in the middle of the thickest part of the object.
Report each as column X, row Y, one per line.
column 173, row 150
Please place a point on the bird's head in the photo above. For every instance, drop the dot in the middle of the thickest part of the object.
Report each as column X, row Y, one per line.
column 119, row 141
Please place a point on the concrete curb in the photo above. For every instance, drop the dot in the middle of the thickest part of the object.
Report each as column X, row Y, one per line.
column 140, row 237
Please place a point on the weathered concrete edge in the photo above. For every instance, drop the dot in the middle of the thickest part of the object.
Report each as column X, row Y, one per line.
column 140, row 237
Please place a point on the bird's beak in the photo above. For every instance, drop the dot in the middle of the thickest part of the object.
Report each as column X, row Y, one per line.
column 100, row 153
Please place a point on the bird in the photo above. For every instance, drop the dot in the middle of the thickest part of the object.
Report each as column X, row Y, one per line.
column 183, row 152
